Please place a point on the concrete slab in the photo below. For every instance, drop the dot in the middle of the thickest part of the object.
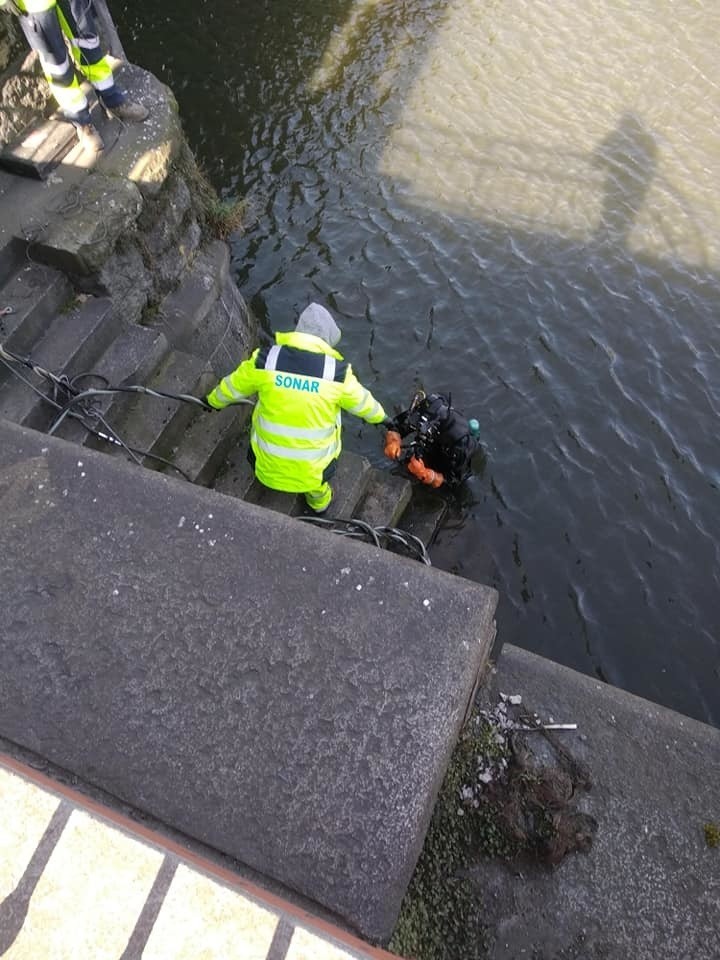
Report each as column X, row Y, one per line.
column 650, row 886
column 288, row 697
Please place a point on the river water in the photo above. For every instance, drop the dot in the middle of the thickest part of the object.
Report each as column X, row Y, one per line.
column 518, row 203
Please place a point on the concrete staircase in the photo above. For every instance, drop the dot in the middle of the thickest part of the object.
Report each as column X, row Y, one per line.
column 81, row 338
column 131, row 291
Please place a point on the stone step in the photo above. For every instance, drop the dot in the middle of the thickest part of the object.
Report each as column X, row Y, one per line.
column 36, row 294
column 385, row 500
column 349, row 484
column 70, row 347
column 81, row 238
column 235, row 476
column 424, row 514
column 291, row 504
column 38, row 150
column 133, row 357
column 156, row 425
column 236, row 479
column 182, row 314
column 206, row 315
column 208, row 442
column 12, row 257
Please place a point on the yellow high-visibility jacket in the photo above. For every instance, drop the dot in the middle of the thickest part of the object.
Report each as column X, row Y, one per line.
column 30, row 6
column 302, row 385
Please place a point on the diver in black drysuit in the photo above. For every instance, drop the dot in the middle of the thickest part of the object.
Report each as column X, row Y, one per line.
column 444, row 440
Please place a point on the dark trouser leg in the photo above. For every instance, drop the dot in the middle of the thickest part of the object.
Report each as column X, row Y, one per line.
column 43, row 33
column 89, row 57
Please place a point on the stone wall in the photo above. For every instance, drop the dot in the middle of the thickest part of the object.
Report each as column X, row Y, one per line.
column 23, row 91
column 141, row 222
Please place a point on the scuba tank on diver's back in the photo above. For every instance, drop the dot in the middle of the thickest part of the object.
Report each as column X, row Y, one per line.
column 440, row 440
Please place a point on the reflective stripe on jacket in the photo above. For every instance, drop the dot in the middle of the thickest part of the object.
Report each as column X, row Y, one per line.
column 302, row 385
column 33, row 6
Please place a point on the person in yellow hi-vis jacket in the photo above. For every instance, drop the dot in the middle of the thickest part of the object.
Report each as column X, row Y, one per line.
column 302, row 384
column 51, row 28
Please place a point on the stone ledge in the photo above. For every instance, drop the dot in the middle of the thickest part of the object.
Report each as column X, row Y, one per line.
column 650, row 885
column 286, row 696
column 144, row 152
column 83, row 237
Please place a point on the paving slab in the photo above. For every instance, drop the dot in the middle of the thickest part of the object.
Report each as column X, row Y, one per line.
column 287, row 697
column 649, row 888
column 81, row 879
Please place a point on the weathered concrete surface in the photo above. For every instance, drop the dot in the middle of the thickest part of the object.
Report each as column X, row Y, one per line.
column 82, row 239
column 286, row 696
column 144, row 153
column 649, row 889
column 24, row 94
column 80, row 879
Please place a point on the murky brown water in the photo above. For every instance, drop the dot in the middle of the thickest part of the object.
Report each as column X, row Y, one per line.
column 519, row 203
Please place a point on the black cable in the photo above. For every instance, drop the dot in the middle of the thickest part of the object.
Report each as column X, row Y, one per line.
column 64, row 409
column 360, row 530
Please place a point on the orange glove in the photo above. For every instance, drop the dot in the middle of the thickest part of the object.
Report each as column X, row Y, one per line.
column 393, row 448
column 432, row 478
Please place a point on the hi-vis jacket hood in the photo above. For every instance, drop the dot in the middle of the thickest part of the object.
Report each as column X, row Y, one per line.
column 318, row 321
column 302, row 384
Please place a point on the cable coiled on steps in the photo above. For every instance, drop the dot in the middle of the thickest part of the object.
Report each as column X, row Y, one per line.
column 71, row 401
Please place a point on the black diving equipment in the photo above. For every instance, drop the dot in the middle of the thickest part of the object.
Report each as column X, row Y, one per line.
column 442, row 440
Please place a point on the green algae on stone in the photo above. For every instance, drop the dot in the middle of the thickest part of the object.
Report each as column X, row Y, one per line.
column 439, row 919
column 712, row 834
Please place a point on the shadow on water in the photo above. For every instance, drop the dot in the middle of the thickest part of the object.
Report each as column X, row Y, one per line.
column 628, row 157
column 592, row 366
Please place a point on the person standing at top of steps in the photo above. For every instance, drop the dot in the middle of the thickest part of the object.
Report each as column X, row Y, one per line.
column 47, row 25
column 302, row 384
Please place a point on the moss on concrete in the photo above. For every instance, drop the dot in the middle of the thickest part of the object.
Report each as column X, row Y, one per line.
column 712, row 834
column 219, row 217
column 502, row 797
column 439, row 919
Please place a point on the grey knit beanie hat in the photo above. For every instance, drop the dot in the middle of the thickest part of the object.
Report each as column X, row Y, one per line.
column 318, row 321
